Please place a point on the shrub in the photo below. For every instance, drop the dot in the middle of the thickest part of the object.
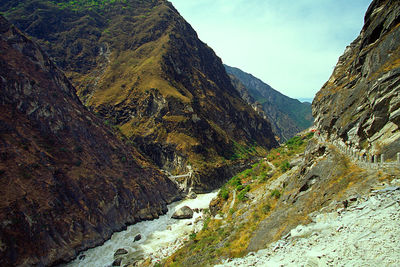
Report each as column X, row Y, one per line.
column 235, row 181
column 285, row 166
column 239, row 188
column 247, row 172
column 275, row 193
column 206, row 222
column 309, row 135
column 242, row 194
column 224, row 193
column 294, row 142
column 192, row 236
column 266, row 208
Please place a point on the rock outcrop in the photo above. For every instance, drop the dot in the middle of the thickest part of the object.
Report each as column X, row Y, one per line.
column 183, row 213
column 360, row 104
column 357, row 107
column 287, row 116
column 66, row 181
column 141, row 67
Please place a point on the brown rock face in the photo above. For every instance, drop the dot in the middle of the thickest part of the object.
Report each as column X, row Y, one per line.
column 66, row 181
column 360, row 102
column 141, row 66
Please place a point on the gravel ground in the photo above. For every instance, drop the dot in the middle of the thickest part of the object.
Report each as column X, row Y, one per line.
column 366, row 233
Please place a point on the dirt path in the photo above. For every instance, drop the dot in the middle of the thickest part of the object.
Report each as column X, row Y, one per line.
column 233, row 199
column 364, row 234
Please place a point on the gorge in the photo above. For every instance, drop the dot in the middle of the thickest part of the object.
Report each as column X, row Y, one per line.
column 113, row 110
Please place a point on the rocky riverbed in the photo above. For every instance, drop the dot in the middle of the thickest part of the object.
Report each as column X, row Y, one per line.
column 152, row 240
column 364, row 231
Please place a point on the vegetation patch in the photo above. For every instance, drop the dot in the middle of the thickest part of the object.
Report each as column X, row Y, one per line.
column 230, row 237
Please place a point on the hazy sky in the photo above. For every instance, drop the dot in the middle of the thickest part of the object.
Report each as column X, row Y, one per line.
column 292, row 45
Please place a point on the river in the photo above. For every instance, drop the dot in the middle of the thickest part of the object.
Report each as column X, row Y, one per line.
column 159, row 237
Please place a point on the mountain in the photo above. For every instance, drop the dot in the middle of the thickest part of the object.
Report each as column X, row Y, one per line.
column 289, row 207
column 67, row 182
column 365, row 87
column 288, row 116
column 141, row 67
column 306, row 99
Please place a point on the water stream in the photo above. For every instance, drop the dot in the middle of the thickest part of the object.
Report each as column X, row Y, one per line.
column 159, row 238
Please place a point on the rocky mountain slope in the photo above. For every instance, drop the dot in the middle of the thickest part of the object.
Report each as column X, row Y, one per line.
column 141, row 67
column 67, row 182
column 288, row 116
column 360, row 104
column 308, row 180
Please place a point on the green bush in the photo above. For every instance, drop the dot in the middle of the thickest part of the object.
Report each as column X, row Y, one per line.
column 242, row 194
column 247, row 172
column 294, row 142
column 235, row 181
column 192, row 236
column 275, row 193
column 239, row 188
column 223, row 193
column 206, row 222
column 266, row 208
column 285, row 166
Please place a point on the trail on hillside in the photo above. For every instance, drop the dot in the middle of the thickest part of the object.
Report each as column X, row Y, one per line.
column 364, row 234
column 233, row 200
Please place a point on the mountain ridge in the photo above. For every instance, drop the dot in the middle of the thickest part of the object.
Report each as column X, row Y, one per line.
column 142, row 68
column 288, row 116
column 364, row 87
column 294, row 194
column 67, row 181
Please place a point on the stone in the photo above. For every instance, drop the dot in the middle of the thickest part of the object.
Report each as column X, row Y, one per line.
column 119, row 252
column 183, row 213
column 192, row 195
column 82, row 257
column 117, row 262
column 218, row 217
column 137, row 237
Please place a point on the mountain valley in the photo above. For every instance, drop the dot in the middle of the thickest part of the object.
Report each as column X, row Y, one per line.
column 114, row 109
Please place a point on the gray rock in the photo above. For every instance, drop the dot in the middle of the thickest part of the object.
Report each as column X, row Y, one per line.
column 387, row 189
column 192, row 195
column 183, row 213
column 117, row 262
column 137, row 237
column 119, row 252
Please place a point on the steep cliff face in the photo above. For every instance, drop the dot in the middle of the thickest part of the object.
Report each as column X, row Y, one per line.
column 360, row 102
column 287, row 116
column 322, row 179
column 66, row 181
column 141, row 66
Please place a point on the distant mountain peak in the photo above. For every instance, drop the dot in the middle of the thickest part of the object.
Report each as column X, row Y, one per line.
column 287, row 115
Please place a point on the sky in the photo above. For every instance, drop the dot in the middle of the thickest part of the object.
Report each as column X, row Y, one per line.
column 292, row 45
